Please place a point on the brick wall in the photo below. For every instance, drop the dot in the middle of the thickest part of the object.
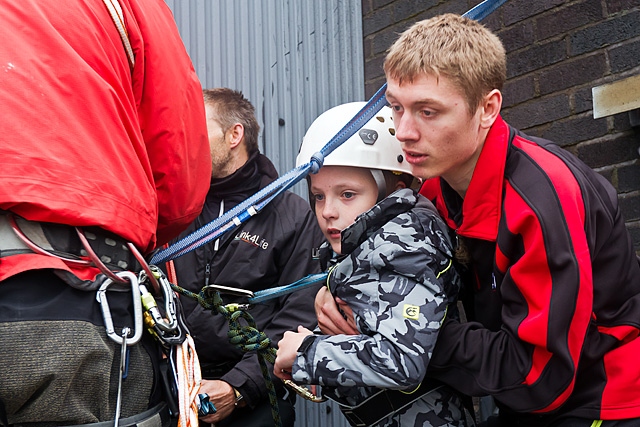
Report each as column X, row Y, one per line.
column 557, row 50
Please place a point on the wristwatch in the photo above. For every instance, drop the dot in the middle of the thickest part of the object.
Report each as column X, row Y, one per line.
column 238, row 395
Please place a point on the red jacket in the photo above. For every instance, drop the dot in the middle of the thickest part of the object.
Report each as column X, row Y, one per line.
column 557, row 285
column 86, row 141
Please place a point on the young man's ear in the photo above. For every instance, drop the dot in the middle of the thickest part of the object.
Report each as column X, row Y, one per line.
column 235, row 135
column 490, row 108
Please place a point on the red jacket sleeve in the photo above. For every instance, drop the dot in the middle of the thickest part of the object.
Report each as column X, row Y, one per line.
column 172, row 118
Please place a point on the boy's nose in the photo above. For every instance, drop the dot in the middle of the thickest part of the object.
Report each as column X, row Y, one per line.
column 329, row 210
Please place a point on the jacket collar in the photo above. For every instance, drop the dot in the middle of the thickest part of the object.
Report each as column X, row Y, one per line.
column 255, row 174
column 373, row 219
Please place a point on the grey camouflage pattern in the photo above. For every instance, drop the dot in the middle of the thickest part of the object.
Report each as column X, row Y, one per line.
column 399, row 281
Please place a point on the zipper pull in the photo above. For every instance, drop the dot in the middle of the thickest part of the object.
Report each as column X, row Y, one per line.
column 207, row 274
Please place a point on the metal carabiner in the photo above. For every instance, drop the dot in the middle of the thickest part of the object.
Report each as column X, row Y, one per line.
column 304, row 392
column 101, row 297
column 168, row 323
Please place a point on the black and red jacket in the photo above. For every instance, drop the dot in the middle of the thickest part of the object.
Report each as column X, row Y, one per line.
column 556, row 285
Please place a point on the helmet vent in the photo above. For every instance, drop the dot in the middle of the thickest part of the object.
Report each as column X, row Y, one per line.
column 400, row 158
column 380, row 119
column 392, row 131
column 368, row 136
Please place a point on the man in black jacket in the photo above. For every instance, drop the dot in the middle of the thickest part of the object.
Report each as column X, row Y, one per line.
column 273, row 248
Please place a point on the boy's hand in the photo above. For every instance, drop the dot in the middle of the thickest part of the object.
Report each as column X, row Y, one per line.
column 287, row 352
column 330, row 317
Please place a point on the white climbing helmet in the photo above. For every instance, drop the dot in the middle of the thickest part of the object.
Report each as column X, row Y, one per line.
column 374, row 146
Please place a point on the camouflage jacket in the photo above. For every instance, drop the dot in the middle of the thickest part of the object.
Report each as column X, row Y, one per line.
column 397, row 275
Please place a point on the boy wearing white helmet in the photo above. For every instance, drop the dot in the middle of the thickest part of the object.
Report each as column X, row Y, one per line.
column 390, row 261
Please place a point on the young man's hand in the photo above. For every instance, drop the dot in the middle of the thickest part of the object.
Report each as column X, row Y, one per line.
column 335, row 317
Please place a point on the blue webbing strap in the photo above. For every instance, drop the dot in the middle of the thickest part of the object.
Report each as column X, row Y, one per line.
column 251, row 206
column 267, row 294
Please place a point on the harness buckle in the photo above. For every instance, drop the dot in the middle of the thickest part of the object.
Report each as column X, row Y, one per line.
column 101, row 297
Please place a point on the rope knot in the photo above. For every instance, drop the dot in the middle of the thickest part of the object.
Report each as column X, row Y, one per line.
column 317, row 160
column 248, row 338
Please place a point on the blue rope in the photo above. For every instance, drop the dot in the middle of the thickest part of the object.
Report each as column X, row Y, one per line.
column 305, row 282
column 484, row 9
column 254, row 204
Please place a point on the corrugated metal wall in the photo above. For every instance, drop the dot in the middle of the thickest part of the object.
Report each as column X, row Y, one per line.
column 293, row 59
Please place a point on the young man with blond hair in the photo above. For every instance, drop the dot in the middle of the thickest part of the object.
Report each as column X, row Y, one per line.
column 554, row 283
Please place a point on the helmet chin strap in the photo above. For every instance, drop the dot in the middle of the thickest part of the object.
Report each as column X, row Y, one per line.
column 381, row 182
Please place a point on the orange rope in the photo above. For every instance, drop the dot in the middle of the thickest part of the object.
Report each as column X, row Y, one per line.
column 171, row 272
column 189, row 380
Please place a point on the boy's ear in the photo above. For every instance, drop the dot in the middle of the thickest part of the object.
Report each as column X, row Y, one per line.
column 490, row 108
column 235, row 135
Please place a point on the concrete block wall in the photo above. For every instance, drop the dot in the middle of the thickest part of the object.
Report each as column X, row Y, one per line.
column 557, row 51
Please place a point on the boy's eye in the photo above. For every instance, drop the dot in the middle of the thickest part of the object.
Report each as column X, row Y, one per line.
column 427, row 113
column 318, row 197
column 348, row 194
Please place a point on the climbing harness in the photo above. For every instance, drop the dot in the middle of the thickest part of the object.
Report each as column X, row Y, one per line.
column 166, row 325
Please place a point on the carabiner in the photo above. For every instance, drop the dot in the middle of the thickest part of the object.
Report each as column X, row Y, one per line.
column 101, row 297
column 304, row 392
column 169, row 323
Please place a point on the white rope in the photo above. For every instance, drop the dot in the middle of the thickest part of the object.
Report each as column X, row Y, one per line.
column 118, row 19
column 189, row 380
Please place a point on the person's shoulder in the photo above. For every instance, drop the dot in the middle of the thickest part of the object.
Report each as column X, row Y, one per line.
column 414, row 203
column 422, row 220
column 292, row 201
column 290, row 209
column 424, row 204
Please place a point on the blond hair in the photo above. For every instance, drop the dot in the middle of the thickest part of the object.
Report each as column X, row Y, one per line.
column 459, row 48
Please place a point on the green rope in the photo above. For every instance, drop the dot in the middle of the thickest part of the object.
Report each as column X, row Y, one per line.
column 246, row 337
